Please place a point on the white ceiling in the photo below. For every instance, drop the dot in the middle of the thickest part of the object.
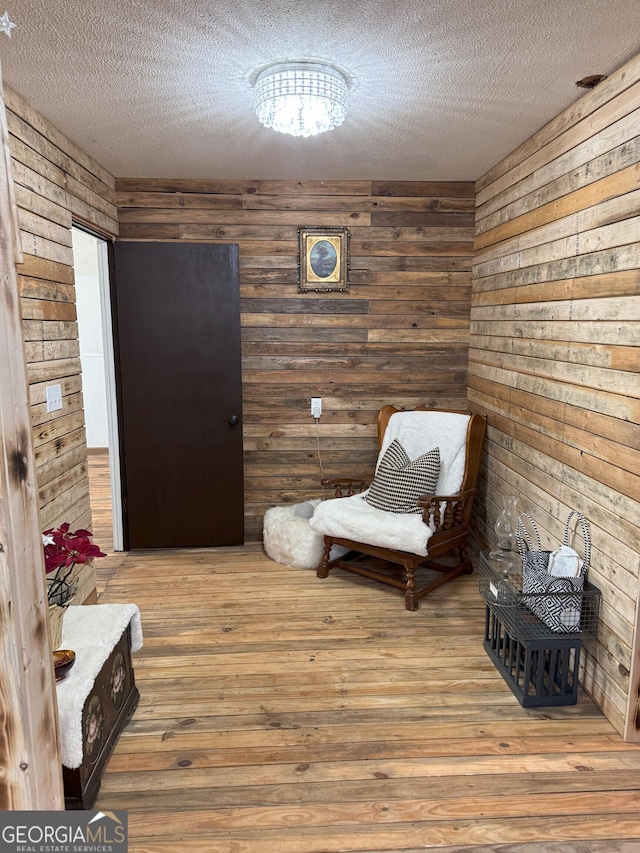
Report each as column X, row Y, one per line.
column 440, row 89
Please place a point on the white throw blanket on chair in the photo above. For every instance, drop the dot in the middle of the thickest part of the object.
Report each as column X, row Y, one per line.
column 418, row 432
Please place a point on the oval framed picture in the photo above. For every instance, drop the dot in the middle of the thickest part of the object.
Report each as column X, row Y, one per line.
column 323, row 259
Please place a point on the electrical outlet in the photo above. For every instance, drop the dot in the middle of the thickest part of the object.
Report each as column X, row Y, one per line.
column 54, row 397
column 316, row 407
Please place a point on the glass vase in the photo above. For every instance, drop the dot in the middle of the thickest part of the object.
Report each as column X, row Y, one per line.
column 55, row 617
column 505, row 558
column 505, row 526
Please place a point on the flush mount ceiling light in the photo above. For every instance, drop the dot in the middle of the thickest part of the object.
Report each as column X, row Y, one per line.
column 301, row 98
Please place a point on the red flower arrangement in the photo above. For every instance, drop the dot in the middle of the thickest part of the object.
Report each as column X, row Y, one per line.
column 63, row 549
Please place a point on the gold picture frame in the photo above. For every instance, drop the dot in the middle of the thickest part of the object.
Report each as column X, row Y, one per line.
column 323, row 259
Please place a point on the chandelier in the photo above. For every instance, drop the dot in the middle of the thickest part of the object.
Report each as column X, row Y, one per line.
column 301, row 98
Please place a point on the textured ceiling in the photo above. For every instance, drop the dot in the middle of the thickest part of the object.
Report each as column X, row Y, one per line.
column 440, row 89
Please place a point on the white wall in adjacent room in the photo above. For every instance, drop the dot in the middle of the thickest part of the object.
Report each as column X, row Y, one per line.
column 85, row 253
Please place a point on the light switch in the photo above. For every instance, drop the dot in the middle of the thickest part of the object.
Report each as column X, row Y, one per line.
column 54, row 397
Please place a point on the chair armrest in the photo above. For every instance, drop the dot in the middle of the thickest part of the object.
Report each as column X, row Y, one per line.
column 353, row 485
column 453, row 513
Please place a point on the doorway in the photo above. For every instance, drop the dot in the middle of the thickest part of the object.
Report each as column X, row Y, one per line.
column 93, row 305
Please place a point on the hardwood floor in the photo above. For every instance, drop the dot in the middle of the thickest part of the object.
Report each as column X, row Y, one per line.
column 281, row 713
column 102, row 529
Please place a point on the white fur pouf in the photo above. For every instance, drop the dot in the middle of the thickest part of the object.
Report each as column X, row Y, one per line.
column 288, row 538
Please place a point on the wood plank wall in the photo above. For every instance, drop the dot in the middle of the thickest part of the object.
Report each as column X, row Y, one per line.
column 554, row 353
column 31, row 775
column 400, row 335
column 56, row 184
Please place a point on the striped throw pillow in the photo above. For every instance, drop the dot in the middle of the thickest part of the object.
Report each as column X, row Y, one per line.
column 398, row 482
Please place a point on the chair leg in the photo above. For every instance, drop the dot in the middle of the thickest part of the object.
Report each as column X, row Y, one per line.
column 410, row 600
column 323, row 568
column 465, row 561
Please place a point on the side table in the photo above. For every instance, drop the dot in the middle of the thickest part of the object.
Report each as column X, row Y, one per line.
column 98, row 696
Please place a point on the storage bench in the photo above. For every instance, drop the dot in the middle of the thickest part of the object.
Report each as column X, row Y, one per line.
column 98, row 696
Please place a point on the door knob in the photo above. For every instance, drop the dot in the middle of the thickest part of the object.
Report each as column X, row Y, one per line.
column 233, row 420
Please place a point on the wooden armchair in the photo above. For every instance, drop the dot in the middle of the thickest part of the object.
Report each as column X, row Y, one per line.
column 437, row 526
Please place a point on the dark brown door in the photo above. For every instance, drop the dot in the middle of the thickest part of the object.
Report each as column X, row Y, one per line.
column 180, row 394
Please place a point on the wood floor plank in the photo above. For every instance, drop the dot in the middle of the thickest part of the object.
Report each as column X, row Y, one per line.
column 389, row 812
column 355, row 771
column 376, row 836
column 376, row 789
